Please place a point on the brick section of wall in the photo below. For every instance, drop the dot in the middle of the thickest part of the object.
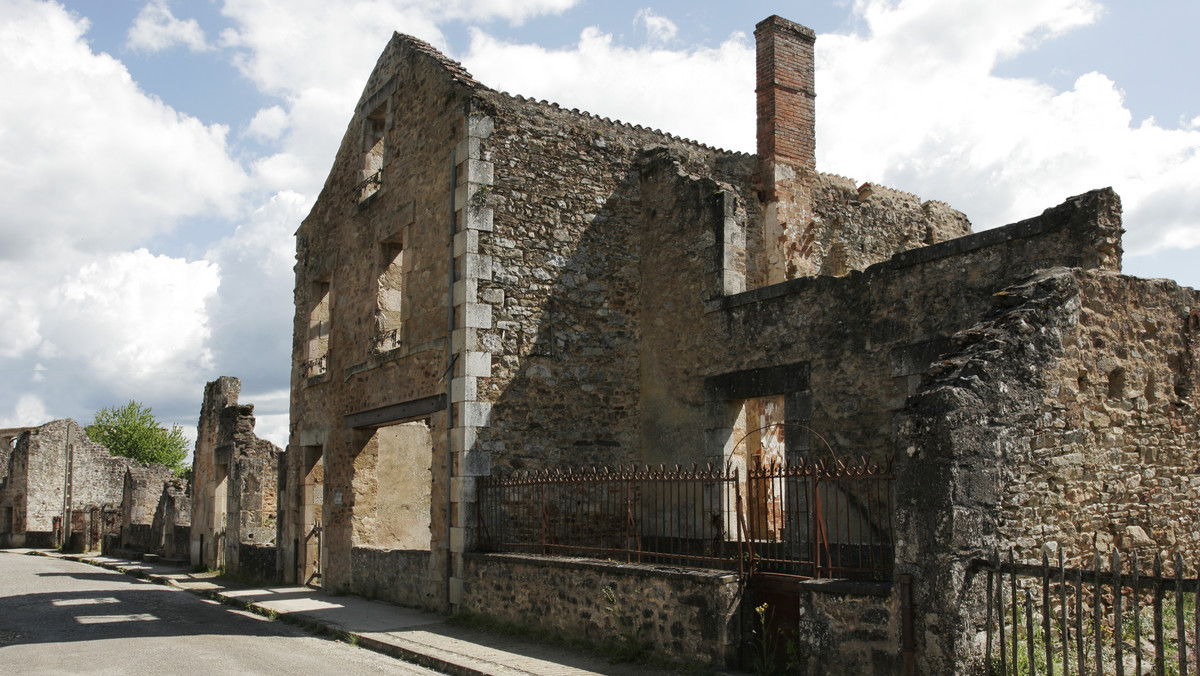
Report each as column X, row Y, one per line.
column 208, row 495
column 35, row 490
column 683, row 614
column 786, row 93
column 868, row 337
column 564, row 296
column 827, row 627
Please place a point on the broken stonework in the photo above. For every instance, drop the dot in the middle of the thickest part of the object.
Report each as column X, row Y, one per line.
column 170, row 531
column 141, row 489
column 235, row 477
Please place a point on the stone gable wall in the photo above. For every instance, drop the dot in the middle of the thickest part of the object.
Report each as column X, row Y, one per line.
column 424, row 103
column 563, row 292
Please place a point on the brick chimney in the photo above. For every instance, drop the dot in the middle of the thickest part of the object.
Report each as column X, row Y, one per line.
column 786, row 97
column 787, row 143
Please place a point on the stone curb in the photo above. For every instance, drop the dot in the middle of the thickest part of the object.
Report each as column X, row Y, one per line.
column 315, row 627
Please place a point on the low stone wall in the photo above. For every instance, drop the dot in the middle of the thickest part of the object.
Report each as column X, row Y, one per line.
column 257, row 562
column 396, row 575
column 690, row 615
column 137, row 537
column 829, row 627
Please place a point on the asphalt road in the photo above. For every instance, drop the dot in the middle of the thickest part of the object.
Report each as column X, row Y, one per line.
column 63, row 617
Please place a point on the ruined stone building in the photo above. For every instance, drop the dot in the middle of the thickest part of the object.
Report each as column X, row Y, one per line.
column 489, row 284
column 234, row 480
column 59, row 488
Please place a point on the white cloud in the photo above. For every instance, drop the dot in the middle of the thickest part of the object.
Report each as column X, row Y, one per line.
column 29, row 411
column 134, row 314
column 658, row 28
column 93, row 162
column 156, row 29
column 913, row 103
column 268, row 124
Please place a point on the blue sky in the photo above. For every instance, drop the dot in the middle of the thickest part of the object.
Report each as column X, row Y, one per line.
column 156, row 156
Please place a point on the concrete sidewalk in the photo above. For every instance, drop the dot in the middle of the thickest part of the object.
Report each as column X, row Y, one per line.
column 412, row 635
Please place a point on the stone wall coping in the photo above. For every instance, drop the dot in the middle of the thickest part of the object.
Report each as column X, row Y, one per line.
column 638, row 569
column 846, row 587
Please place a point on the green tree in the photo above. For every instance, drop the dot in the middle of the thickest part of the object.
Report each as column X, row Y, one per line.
column 132, row 431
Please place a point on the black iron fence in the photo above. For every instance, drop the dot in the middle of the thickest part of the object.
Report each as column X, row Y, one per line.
column 811, row 519
column 1051, row 619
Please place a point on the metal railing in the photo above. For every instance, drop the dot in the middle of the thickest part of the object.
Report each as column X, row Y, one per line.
column 368, row 186
column 821, row 519
column 811, row 520
column 1051, row 619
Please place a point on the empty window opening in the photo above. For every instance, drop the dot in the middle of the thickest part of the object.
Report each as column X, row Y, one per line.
column 392, row 487
column 389, row 298
column 759, row 443
column 318, row 329
column 373, row 148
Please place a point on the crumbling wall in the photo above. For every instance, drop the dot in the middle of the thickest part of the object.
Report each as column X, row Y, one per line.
column 254, row 479
column 235, row 483
column 210, row 475
column 142, row 486
column 38, row 484
column 170, row 531
column 867, row 338
column 350, row 244
column 1047, row 428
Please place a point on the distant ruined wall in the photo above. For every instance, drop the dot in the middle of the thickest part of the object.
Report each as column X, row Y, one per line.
column 142, row 486
column 235, row 483
column 210, row 474
column 170, row 532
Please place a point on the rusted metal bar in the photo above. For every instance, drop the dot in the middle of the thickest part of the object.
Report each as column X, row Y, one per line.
column 1016, row 609
column 1118, row 656
column 1030, row 639
column 1098, row 614
column 685, row 516
column 1064, row 633
column 1160, row 650
column 987, row 651
column 1180, row 633
column 1080, row 657
column 1000, row 613
column 1048, row 652
column 1137, row 616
